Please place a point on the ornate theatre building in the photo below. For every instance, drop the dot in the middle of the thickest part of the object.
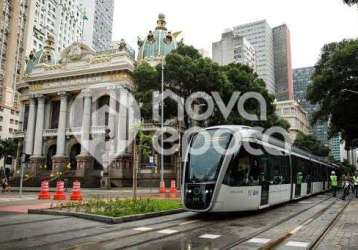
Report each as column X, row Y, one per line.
column 69, row 102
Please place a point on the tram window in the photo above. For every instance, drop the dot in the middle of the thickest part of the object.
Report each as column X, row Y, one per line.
column 244, row 170
column 278, row 168
column 299, row 169
column 238, row 170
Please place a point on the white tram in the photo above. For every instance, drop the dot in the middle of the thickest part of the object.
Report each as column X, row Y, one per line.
column 235, row 180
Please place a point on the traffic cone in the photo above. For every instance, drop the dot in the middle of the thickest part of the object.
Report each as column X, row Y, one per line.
column 162, row 187
column 76, row 191
column 173, row 188
column 60, row 191
column 44, row 191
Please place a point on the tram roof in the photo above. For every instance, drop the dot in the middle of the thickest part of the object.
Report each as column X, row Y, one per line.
column 250, row 132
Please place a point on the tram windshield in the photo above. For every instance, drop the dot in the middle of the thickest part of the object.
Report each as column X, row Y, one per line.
column 206, row 154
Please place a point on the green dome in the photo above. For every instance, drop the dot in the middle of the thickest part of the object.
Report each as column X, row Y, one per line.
column 47, row 55
column 158, row 43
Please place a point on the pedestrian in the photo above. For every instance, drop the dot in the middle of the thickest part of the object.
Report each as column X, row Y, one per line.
column 333, row 182
column 346, row 185
column 355, row 183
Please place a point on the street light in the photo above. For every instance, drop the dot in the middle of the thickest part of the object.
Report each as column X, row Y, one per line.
column 162, row 126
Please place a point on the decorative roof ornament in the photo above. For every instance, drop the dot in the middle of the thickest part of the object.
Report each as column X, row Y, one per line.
column 122, row 45
column 161, row 23
column 158, row 43
column 47, row 56
column 76, row 51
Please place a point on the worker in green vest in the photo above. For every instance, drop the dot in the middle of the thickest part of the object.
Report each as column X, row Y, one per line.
column 334, row 183
column 355, row 183
column 299, row 178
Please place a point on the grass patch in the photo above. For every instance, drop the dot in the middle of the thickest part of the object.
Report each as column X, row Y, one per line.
column 120, row 208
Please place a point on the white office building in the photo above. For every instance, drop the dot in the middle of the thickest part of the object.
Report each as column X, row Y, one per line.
column 234, row 49
column 98, row 23
column 259, row 35
column 61, row 19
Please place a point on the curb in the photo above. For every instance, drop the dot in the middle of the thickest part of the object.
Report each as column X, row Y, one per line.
column 105, row 219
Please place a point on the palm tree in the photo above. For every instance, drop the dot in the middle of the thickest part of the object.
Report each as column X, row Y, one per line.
column 350, row 2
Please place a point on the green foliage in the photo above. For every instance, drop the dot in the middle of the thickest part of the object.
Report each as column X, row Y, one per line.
column 144, row 142
column 187, row 72
column 311, row 144
column 337, row 70
column 8, row 147
column 119, row 207
column 350, row 2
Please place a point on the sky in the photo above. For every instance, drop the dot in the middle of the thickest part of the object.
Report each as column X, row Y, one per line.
column 312, row 23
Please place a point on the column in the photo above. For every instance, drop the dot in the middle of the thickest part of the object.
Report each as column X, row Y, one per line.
column 112, row 119
column 39, row 125
column 122, row 123
column 61, row 132
column 30, row 130
column 86, row 123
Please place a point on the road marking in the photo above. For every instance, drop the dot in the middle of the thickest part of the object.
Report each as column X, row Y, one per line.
column 143, row 228
column 187, row 222
column 210, row 236
column 297, row 244
column 258, row 240
column 168, row 231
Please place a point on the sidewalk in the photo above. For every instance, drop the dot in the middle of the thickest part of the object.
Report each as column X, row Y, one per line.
column 12, row 202
column 344, row 233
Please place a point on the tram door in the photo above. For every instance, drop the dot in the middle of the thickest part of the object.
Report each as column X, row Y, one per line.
column 265, row 187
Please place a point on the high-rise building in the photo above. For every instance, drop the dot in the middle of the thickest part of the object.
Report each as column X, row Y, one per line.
column 282, row 62
column 259, row 35
column 301, row 80
column 97, row 30
column 12, row 22
column 61, row 19
column 233, row 49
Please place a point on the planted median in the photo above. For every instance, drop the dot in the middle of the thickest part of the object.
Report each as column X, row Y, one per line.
column 116, row 210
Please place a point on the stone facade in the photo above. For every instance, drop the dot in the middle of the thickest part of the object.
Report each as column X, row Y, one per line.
column 295, row 115
column 67, row 105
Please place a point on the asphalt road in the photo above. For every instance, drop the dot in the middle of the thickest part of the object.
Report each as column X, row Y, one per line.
column 180, row 231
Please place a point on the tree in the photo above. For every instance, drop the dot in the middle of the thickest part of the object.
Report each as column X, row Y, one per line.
column 8, row 148
column 187, row 72
column 311, row 144
column 350, row 2
column 335, row 72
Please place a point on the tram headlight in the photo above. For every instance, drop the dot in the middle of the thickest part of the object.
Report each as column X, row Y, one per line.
column 189, row 191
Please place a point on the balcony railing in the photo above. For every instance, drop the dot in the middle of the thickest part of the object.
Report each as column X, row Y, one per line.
column 19, row 134
column 49, row 132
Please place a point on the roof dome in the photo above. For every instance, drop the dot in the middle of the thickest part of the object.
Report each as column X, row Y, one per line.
column 47, row 55
column 158, row 43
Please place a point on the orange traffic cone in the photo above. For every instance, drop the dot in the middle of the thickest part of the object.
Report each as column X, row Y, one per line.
column 76, row 191
column 162, row 187
column 173, row 188
column 44, row 191
column 60, row 191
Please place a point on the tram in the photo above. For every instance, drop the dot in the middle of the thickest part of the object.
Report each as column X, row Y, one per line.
column 248, row 172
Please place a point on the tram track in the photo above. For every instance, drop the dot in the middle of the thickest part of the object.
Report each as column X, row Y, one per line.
column 111, row 229
column 276, row 224
column 116, row 238
column 325, row 231
column 193, row 220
